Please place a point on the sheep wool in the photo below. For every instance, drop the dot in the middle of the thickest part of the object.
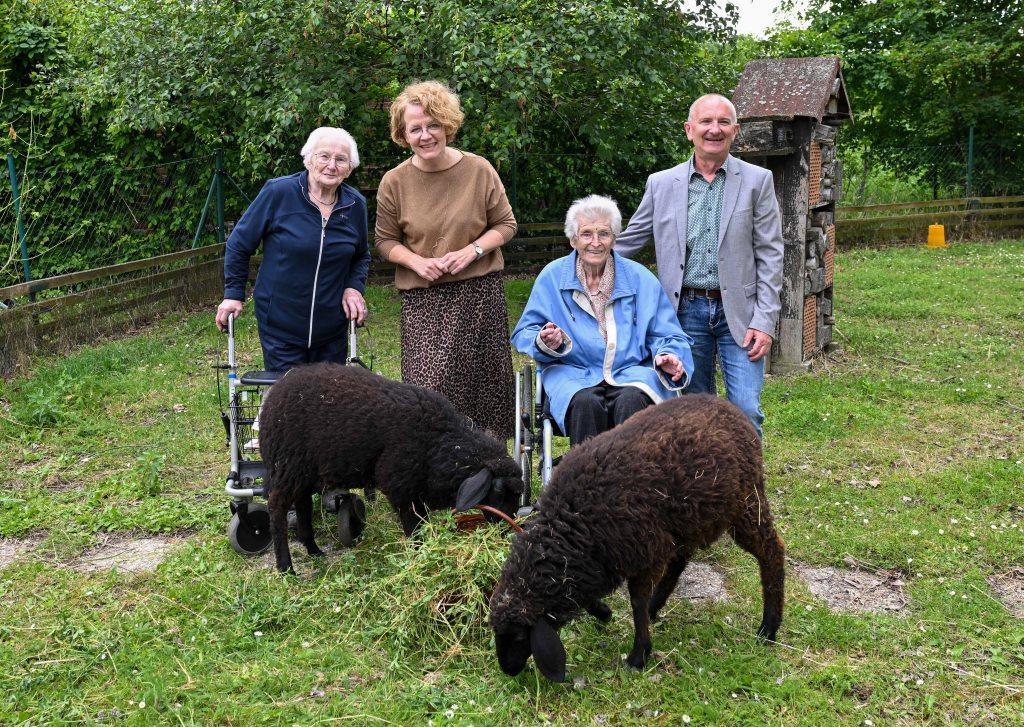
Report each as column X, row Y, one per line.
column 329, row 425
column 634, row 504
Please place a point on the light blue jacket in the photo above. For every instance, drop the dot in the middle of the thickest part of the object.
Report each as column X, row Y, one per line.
column 640, row 320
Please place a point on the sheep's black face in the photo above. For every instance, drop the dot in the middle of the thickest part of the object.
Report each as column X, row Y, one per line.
column 513, row 649
column 505, row 495
column 502, row 490
column 514, row 645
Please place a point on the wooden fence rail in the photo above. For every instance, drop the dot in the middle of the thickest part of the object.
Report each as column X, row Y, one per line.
column 79, row 306
column 909, row 221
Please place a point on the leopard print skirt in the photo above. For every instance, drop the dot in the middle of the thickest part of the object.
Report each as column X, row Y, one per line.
column 455, row 341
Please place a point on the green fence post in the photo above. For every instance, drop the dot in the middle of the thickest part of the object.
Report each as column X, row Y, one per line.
column 12, row 175
column 218, row 175
column 970, row 161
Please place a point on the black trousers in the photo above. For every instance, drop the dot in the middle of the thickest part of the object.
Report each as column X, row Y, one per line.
column 599, row 408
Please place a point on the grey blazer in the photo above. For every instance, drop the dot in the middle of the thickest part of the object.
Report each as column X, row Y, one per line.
column 749, row 241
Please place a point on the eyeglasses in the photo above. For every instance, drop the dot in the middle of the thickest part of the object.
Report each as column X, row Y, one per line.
column 602, row 235
column 325, row 158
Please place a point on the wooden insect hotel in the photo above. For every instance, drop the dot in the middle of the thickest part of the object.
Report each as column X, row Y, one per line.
column 789, row 110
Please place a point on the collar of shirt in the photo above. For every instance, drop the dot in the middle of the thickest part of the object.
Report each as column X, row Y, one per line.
column 607, row 283
column 720, row 171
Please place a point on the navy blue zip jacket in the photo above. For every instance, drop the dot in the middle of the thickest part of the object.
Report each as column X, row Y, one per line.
column 306, row 264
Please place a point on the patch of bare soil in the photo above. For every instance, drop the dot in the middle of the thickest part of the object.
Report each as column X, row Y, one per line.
column 700, row 582
column 11, row 549
column 128, row 555
column 879, row 591
column 1009, row 589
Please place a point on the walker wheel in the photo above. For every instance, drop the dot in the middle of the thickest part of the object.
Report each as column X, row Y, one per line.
column 351, row 520
column 252, row 536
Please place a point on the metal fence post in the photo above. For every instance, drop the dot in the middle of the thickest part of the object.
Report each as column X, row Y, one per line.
column 12, row 175
column 970, row 161
column 218, row 175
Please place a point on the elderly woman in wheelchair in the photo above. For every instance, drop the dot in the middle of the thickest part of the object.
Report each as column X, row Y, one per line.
column 603, row 333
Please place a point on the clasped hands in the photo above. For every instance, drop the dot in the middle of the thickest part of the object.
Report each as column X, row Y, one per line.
column 453, row 263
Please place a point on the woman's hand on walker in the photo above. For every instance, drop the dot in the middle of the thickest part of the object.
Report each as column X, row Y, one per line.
column 354, row 305
column 228, row 308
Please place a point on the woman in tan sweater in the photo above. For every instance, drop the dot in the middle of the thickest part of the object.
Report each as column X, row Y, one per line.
column 442, row 217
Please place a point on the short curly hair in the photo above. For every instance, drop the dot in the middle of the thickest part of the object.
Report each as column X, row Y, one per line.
column 437, row 100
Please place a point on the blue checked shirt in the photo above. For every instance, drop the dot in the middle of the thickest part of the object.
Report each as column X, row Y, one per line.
column 703, row 215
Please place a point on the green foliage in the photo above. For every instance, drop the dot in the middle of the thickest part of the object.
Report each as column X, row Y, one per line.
column 919, row 73
column 598, row 89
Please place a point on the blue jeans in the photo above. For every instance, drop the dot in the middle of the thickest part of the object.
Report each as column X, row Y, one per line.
column 704, row 320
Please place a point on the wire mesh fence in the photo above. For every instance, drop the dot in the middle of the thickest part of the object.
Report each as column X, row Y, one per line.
column 887, row 175
column 74, row 221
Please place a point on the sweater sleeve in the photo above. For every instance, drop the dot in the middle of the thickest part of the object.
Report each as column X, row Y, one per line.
column 499, row 212
column 244, row 240
column 387, row 232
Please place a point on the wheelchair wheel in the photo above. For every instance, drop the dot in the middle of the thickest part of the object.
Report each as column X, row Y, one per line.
column 351, row 520
column 250, row 536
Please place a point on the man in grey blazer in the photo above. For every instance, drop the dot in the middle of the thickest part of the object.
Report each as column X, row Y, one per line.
column 718, row 239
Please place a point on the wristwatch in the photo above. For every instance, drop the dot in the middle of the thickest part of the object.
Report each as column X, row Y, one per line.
column 479, row 250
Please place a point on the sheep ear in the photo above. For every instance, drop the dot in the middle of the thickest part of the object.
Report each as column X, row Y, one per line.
column 548, row 652
column 473, row 490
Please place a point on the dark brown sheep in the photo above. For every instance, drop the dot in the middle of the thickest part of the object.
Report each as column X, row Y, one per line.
column 326, row 424
column 634, row 504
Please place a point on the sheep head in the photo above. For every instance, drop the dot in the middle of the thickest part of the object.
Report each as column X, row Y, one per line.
column 500, row 491
column 515, row 643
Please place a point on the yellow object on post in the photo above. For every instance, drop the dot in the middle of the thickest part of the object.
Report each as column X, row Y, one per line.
column 937, row 236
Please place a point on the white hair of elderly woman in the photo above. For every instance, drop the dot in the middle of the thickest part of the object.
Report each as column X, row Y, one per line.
column 593, row 207
column 330, row 135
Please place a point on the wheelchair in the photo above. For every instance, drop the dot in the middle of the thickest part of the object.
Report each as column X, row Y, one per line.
column 249, row 527
column 534, row 431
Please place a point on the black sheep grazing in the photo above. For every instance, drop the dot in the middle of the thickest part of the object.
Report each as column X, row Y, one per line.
column 634, row 504
column 327, row 424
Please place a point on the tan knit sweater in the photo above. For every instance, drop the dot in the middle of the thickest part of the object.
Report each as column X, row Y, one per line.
column 433, row 213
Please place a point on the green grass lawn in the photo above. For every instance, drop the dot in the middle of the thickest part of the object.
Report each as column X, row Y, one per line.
column 903, row 452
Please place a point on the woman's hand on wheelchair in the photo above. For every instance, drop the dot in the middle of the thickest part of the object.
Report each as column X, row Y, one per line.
column 228, row 308
column 670, row 364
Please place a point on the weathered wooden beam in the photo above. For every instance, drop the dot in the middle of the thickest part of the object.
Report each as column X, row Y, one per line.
column 56, row 281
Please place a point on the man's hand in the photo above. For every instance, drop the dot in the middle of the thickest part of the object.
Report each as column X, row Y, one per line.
column 552, row 336
column 354, row 305
column 670, row 364
column 458, row 260
column 758, row 343
column 228, row 309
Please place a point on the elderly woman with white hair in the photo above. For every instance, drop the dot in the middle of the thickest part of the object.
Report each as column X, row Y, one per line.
column 313, row 229
column 603, row 333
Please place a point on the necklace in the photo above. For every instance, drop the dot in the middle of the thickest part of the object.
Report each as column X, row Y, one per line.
column 322, row 203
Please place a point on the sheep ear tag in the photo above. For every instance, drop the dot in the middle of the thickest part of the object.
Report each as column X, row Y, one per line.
column 548, row 652
column 473, row 490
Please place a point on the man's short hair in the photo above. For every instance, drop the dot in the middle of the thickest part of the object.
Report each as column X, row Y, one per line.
column 718, row 97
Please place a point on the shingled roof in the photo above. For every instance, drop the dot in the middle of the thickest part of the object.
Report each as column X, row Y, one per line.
column 784, row 88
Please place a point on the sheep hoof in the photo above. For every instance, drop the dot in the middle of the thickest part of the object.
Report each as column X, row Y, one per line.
column 766, row 634
column 314, row 550
column 637, row 661
column 601, row 611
